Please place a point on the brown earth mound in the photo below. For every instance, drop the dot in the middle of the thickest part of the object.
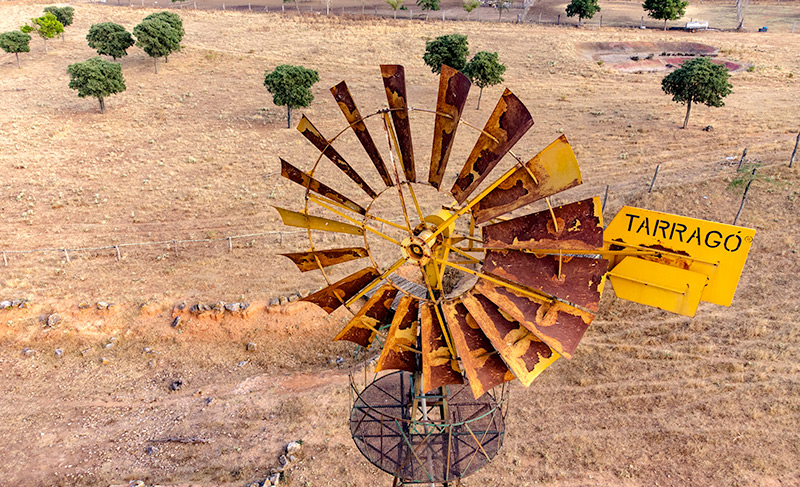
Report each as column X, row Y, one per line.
column 651, row 56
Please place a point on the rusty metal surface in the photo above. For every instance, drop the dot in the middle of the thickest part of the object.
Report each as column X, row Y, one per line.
column 372, row 316
column 558, row 325
column 483, row 366
column 401, row 337
column 522, row 351
column 555, row 169
column 439, row 367
column 580, row 281
column 348, row 106
column 394, row 80
column 579, row 226
column 315, row 137
column 333, row 296
column 304, row 220
column 453, row 91
column 296, row 175
column 509, row 121
column 312, row 260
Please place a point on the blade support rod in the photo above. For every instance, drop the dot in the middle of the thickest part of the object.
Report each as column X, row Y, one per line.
column 356, row 222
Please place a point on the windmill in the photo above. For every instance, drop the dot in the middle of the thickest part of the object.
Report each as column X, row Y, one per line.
column 493, row 296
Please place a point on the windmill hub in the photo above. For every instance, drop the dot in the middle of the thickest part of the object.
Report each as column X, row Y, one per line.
column 415, row 249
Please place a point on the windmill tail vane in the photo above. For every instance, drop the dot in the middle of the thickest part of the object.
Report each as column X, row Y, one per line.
column 527, row 287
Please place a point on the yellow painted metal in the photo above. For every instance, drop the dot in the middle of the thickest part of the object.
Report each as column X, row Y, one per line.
column 715, row 250
column 363, row 227
column 658, row 285
column 303, row 220
column 438, row 219
column 377, row 281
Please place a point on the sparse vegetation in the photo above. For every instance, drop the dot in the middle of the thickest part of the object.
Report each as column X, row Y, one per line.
column 110, row 39
column 15, row 42
column 450, row 49
column 484, row 69
column 96, row 78
column 291, row 87
column 698, row 81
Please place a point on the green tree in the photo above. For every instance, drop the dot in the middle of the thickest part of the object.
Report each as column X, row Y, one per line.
column 665, row 9
column 428, row 6
column 698, row 81
column 484, row 69
column 110, row 39
column 16, row 42
column 470, row 5
column 47, row 26
column 157, row 38
column 174, row 20
column 395, row 4
column 501, row 6
column 65, row 15
column 450, row 49
column 291, row 86
column 96, row 77
column 584, row 9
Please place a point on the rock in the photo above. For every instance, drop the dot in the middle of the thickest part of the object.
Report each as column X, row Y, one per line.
column 59, row 353
column 219, row 306
column 708, row 128
column 176, row 385
column 293, row 297
column 109, row 345
column 232, row 307
column 146, row 350
column 294, row 448
column 274, row 479
column 83, row 305
column 274, row 302
column 5, row 304
column 292, row 458
column 84, row 352
column 283, row 460
column 28, row 352
column 19, row 303
column 101, row 305
column 284, row 300
column 242, row 363
column 244, row 305
column 104, row 361
column 176, row 321
column 53, row 319
column 150, row 450
column 251, row 347
column 136, row 483
column 181, row 306
column 305, row 293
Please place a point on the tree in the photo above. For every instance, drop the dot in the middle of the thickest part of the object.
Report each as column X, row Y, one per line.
column 450, row 49
column 395, row 4
column 665, row 9
column 157, row 38
column 501, row 6
column 470, row 5
column 428, row 6
column 16, row 42
column 47, row 26
column 484, row 69
column 698, row 81
column 174, row 20
column 584, row 9
column 110, row 39
column 96, row 77
column 65, row 15
column 740, row 4
column 291, row 86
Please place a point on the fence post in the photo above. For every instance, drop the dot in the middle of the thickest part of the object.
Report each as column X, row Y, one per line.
column 744, row 196
column 559, row 19
column 5, row 259
column 249, row 7
column 655, row 175
column 641, row 23
column 794, row 152
column 601, row 21
column 119, row 257
column 67, row 255
column 794, row 24
column 195, row 5
column 540, row 17
column 744, row 153
column 605, row 198
column 230, row 244
column 175, row 242
column 410, row 13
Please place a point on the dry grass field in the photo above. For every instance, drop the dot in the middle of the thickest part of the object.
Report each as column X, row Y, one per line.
column 192, row 153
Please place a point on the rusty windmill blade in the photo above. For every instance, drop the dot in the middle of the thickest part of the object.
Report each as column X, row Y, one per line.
column 348, row 106
column 554, row 169
column 557, row 324
column 313, row 260
column 315, row 137
column 304, row 220
column 394, row 81
column 296, row 175
column 483, row 366
column 524, row 354
column 364, row 325
column 577, row 280
column 509, row 121
column 576, row 226
column 335, row 295
column 401, row 341
column 453, row 90
column 439, row 366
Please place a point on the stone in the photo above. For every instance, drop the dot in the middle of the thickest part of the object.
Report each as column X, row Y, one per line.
column 109, row 345
column 176, row 385
column 150, row 450
column 294, row 448
column 283, row 460
column 274, row 479
column 181, row 306
column 28, row 352
column 136, row 483
column 53, row 319
column 83, row 305
column 59, row 353
column 274, row 302
column 242, row 363
column 244, row 305
column 708, row 128
column 146, row 350
column 233, row 307
column 19, row 303
column 101, row 305
column 104, row 361
column 176, row 321
column 251, row 347
column 5, row 304
column 219, row 306
column 284, row 300
column 293, row 297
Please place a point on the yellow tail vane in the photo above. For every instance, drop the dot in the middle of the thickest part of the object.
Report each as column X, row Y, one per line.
column 715, row 251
